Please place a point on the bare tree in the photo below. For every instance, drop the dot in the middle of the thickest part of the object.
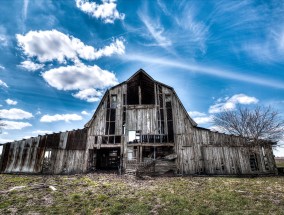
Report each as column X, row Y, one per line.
column 253, row 123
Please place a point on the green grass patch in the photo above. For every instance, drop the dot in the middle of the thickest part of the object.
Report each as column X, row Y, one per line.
column 110, row 194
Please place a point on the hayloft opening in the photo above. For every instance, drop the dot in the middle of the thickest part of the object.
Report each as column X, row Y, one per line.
column 140, row 90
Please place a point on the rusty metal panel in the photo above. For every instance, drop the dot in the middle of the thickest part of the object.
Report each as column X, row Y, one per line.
column 52, row 141
column 77, row 139
column 38, row 160
column 42, row 140
column 5, row 155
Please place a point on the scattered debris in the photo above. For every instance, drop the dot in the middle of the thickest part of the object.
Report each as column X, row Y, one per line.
column 52, row 188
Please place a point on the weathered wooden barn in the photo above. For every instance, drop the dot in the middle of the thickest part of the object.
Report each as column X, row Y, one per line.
column 139, row 127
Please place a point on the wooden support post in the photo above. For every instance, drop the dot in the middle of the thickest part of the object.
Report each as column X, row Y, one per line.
column 140, row 153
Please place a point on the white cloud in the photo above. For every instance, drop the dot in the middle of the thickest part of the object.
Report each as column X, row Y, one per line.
column 156, row 30
column 85, row 112
column 13, row 125
column 116, row 47
column 11, row 102
column 79, row 77
column 2, row 67
column 217, row 128
column 5, row 133
column 203, row 120
column 52, row 45
column 90, row 95
column 230, row 103
column 196, row 114
column 31, row 66
column 42, row 132
column 5, row 141
column 106, row 11
column 61, row 117
column 15, row 113
column 200, row 118
column 3, row 84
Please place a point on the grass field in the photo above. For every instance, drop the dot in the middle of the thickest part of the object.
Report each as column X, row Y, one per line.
column 112, row 194
column 279, row 162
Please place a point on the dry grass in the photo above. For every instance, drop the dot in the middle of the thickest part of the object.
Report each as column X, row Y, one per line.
column 279, row 162
column 112, row 194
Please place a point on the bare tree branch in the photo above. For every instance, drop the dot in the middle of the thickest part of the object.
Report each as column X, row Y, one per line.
column 257, row 123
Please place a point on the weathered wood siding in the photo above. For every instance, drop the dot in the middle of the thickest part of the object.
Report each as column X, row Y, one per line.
column 67, row 154
column 143, row 118
column 208, row 152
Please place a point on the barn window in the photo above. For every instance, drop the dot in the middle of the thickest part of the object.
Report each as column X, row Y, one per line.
column 111, row 115
column 169, row 113
column 113, row 101
column 134, row 136
column 47, row 160
column 253, row 162
column 124, row 99
column 160, row 113
column 47, row 154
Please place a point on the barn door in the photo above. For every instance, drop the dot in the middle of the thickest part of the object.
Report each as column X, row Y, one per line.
column 187, row 161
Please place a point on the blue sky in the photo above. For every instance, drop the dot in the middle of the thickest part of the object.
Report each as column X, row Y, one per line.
column 57, row 58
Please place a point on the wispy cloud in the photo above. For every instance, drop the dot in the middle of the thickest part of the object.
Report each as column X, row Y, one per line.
column 4, row 38
column 155, row 29
column 3, row 84
column 199, row 68
column 192, row 30
column 25, row 9
column 268, row 50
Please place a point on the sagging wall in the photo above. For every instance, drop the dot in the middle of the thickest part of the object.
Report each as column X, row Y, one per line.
column 207, row 152
column 58, row 153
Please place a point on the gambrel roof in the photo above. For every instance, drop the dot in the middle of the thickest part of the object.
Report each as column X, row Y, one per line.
column 139, row 72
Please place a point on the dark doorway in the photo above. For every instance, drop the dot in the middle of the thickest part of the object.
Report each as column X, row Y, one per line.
column 108, row 159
